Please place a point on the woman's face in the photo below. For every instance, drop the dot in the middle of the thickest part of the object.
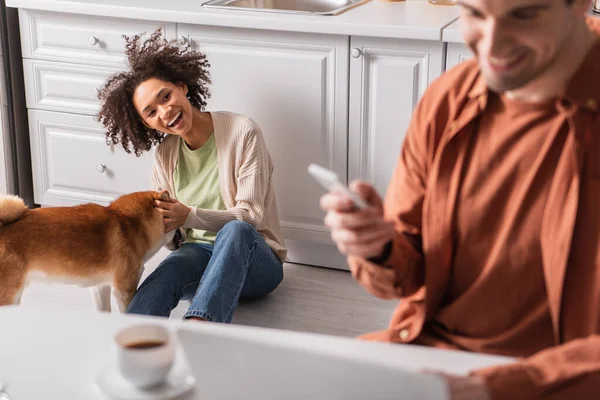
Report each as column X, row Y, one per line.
column 164, row 106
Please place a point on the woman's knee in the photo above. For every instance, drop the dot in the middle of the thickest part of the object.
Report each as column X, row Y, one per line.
column 177, row 266
column 239, row 230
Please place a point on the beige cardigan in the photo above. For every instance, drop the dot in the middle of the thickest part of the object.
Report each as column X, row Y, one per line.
column 245, row 179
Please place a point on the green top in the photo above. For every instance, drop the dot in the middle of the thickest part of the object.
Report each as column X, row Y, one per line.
column 196, row 182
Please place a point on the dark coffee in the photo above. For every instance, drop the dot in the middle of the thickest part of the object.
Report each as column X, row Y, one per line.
column 148, row 344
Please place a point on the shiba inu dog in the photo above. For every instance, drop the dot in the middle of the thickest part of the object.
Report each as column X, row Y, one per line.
column 88, row 245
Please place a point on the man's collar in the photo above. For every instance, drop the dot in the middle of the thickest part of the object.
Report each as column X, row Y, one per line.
column 479, row 88
column 479, row 91
column 584, row 87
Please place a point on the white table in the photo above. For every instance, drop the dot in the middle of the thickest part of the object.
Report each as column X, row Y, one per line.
column 55, row 354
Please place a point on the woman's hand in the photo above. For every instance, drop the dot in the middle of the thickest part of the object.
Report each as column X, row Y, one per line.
column 174, row 213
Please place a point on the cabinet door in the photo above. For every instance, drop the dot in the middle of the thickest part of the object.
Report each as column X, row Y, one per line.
column 387, row 78
column 457, row 53
column 72, row 164
column 295, row 87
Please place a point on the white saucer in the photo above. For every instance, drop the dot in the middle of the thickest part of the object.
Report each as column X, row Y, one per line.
column 111, row 383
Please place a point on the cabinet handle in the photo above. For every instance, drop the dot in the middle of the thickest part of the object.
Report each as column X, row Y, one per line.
column 182, row 40
column 100, row 168
column 356, row 52
column 96, row 92
column 93, row 40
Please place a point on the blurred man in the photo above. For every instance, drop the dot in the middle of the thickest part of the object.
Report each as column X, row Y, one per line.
column 490, row 231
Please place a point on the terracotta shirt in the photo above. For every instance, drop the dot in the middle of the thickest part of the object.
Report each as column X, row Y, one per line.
column 508, row 170
column 497, row 245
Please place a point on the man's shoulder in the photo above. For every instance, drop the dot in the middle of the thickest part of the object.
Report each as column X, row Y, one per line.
column 445, row 99
column 454, row 85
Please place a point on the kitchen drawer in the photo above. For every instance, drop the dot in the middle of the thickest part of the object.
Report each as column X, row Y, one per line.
column 66, row 87
column 79, row 38
column 72, row 163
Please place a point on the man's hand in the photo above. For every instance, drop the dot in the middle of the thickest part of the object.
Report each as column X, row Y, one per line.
column 174, row 213
column 362, row 233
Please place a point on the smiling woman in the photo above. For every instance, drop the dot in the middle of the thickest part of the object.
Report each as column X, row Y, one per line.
column 155, row 60
column 217, row 169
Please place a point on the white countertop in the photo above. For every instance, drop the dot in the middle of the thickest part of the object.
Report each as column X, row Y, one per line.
column 411, row 19
column 54, row 353
column 452, row 33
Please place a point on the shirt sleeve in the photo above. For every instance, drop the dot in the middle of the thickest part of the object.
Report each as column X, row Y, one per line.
column 159, row 175
column 159, row 183
column 568, row 371
column 403, row 271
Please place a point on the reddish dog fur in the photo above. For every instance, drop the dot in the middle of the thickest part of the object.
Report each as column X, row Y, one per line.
column 87, row 244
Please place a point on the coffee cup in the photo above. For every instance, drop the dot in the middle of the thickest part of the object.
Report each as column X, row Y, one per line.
column 145, row 354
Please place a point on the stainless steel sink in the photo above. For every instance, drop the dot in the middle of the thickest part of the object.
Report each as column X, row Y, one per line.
column 320, row 7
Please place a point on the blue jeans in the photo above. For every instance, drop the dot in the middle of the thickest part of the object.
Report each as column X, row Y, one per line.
column 240, row 265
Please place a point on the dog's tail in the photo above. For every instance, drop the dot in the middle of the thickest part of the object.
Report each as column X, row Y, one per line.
column 12, row 208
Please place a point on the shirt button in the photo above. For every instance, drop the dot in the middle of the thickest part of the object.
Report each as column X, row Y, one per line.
column 404, row 334
column 482, row 101
column 591, row 104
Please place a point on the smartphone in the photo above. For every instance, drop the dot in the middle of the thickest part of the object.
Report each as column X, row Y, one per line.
column 330, row 181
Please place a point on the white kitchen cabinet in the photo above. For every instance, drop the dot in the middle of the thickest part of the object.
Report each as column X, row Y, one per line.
column 295, row 87
column 66, row 59
column 457, row 53
column 387, row 78
column 73, row 165
column 81, row 38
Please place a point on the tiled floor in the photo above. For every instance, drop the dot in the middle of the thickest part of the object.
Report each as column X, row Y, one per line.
column 310, row 299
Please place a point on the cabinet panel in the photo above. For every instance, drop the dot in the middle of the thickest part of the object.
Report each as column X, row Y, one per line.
column 66, row 87
column 387, row 79
column 295, row 87
column 72, row 163
column 81, row 38
column 457, row 53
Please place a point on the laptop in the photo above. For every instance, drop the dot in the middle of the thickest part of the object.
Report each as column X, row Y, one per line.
column 258, row 363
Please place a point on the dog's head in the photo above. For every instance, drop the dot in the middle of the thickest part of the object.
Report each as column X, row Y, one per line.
column 141, row 207
column 140, row 204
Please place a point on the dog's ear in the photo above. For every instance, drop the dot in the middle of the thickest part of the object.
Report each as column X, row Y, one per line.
column 164, row 195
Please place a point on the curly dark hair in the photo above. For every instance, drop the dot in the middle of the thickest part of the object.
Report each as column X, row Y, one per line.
column 169, row 61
